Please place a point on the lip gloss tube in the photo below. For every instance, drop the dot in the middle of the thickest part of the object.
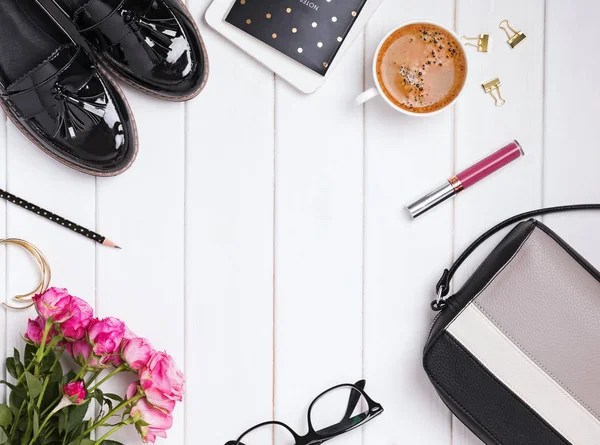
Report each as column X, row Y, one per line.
column 467, row 178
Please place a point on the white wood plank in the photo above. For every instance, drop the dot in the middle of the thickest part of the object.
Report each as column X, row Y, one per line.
column 405, row 157
column 142, row 210
column 229, row 245
column 571, row 154
column 318, row 240
column 3, row 327
column 482, row 128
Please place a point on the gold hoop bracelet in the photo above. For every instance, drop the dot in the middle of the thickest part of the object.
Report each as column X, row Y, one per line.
column 46, row 273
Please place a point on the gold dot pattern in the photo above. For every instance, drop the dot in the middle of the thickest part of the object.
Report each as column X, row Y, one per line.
column 51, row 216
column 329, row 21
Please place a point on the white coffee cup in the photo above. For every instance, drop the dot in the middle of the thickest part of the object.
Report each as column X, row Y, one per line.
column 378, row 91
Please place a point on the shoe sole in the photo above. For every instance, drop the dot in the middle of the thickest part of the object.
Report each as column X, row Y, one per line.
column 115, row 73
column 29, row 136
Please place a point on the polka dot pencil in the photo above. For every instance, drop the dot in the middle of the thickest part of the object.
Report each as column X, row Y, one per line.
column 70, row 225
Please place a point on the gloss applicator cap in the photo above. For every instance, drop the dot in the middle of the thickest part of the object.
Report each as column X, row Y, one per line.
column 467, row 178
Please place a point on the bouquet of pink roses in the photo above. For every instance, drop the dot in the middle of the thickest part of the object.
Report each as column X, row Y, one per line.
column 47, row 406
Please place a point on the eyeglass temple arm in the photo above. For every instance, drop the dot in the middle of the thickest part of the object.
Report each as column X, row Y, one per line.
column 354, row 398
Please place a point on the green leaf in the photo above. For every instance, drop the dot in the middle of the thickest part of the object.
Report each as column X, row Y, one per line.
column 114, row 397
column 51, row 396
column 69, row 376
column 17, row 355
column 76, row 415
column 99, row 396
column 27, row 435
column 89, row 442
column 48, row 360
column 18, row 363
column 57, row 372
column 62, row 421
column 6, row 416
column 34, row 385
column 11, row 367
column 30, row 352
column 111, row 442
column 36, row 423
column 3, row 436
column 16, row 398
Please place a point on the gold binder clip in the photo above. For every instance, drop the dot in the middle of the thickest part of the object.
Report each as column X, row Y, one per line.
column 493, row 89
column 482, row 42
column 516, row 37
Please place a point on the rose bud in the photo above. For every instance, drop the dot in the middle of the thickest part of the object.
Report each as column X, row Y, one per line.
column 55, row 303
column 81, row 315
column 136, row 353
column 35, row 331
column 81, row 352
column 75, row 391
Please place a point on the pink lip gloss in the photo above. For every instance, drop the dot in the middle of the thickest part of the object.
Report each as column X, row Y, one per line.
column 467, row 178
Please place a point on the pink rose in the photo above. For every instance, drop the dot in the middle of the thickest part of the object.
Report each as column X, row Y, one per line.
column 136, row 353
column 106, row 336
column 55, row 303
column 162, row 382
column 81, row 316
column 155, row 422
column 75, row 391
column 81, row 351
column 35, row 331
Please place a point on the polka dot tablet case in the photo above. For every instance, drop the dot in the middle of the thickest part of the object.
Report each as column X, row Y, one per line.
column 304, row 79
column 309, row 31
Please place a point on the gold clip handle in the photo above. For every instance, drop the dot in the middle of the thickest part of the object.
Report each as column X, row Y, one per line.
column 505, row 26
column 482, row 42
column 516, row 37
column 498, row 100
column 493, row 89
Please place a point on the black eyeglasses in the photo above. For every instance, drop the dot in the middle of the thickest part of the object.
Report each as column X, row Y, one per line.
column 348, row 402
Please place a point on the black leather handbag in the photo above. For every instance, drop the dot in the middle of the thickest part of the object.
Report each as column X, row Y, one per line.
column 515, row 353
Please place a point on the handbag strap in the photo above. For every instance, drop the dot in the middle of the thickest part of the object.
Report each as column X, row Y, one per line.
column 443, row 286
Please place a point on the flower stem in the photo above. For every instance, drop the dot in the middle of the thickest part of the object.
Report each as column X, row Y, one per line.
column 114, row 430
column 41, row 396
column 16, row 420
column 112, row 412
column 40, row 352
column 116, row 371
column 39, row 431
column 92, row 378
column 81, row 374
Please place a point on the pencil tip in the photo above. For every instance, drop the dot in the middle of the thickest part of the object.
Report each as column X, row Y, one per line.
column 109, row 243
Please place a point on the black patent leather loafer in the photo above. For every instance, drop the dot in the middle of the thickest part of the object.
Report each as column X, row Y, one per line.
column 52, row 91
column 154, row 45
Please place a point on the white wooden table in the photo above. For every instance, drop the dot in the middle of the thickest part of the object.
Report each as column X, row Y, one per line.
column 265, row 243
